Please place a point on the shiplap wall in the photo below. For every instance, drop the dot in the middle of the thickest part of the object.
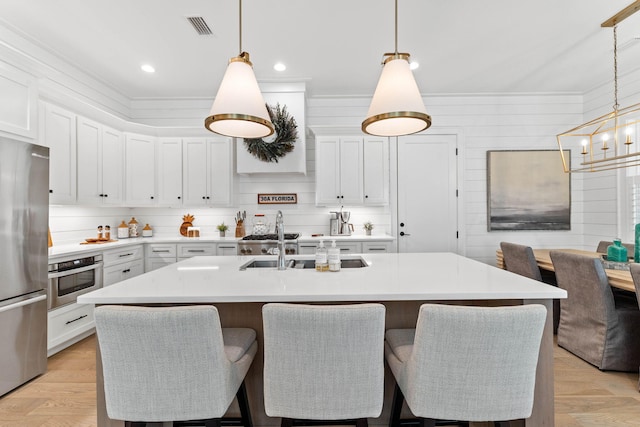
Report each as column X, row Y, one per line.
column 483, row 122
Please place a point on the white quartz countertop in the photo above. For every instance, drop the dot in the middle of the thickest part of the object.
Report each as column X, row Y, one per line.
column 389, row 277
column 64, row 250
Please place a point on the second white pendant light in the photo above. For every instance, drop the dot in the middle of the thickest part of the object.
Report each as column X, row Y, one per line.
column 397, row 107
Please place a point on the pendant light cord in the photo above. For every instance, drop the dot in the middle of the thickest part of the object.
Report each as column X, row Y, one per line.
column 396, row 46
column 615, row 69
column 240, row 26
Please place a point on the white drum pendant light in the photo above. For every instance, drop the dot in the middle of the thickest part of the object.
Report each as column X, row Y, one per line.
column 239, row 109
column 397, row 107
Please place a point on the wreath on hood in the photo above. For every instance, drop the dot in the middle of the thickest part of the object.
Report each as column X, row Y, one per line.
column 286, row 134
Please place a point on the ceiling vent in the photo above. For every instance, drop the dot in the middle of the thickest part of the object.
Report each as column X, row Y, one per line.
column 200, row 25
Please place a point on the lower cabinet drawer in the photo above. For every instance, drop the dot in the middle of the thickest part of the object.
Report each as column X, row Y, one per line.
column 67, row 322
column 123, row 271
column 195, row 249
column 123, row 254
column 376, row 247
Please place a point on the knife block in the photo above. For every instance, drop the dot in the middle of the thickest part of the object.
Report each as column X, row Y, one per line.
column 240, row 228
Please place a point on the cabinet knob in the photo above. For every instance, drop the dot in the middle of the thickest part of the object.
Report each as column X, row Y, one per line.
column 106, row 195
column 179, row 197
column 208, row 197
column 100, row 195
column 337, row 197
column 203, row 197
column 402, row 233
column 366, row 196
column 402, row 224
column 50, row 191
column 342, row 197
column 151, row 197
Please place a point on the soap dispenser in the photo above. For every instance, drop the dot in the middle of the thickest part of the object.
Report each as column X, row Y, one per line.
column 334, row 257
column 321, row 257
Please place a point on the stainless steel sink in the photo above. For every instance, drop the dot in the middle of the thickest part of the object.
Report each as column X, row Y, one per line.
column 352, row 262
column 264, row 263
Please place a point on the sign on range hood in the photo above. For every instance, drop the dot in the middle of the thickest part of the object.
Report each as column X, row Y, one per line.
column 291, row 96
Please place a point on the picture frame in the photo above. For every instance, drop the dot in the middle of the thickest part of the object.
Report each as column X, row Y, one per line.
column 528, row 190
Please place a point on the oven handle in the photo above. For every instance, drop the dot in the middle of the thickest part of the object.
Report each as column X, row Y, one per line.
column 55, row 275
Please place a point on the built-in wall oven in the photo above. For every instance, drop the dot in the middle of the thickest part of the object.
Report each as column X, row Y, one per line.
column 70, row 278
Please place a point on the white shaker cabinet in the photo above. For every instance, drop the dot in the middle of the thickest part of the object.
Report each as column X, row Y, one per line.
column 376, row 171
column 207, row 173
column 140, row 167
column 169, row 172
column 100, row 164
column 352, row 171
column 339, row 171
column 58, row 132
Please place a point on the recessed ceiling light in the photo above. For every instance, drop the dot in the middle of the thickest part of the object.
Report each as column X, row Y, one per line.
column 279, row 66
column 148, row 68
column 414, row 65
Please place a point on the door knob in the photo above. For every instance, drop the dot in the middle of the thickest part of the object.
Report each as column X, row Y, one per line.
column 402, row 233
column 402, row 224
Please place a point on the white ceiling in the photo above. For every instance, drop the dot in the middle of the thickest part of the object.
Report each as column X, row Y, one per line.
column 463, row 46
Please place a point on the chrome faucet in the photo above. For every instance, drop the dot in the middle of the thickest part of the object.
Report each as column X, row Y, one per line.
column 280, row 232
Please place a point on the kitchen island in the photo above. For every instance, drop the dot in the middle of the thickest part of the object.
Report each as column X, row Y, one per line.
column 402, row 282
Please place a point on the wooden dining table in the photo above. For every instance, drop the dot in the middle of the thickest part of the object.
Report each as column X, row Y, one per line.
column 617, row 278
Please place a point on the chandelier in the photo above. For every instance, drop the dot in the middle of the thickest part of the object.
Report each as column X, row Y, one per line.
column 607, row 142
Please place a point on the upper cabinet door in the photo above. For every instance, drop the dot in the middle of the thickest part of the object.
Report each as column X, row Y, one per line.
column 59, row 134
column 112, row 167
column 169, row 170
column 140, row 165
column 220, row 156
column 327, row 171
column 351, row 171
column 18, row 111
column 89, row 149
column 194, row 171
column 376, row 171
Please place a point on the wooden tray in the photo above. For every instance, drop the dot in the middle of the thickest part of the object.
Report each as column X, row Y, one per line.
column 96, row 241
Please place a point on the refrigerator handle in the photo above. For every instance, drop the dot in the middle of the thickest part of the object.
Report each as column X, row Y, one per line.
column 23, row 303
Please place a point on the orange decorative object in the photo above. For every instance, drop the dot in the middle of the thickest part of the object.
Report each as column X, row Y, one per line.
column 187, row 221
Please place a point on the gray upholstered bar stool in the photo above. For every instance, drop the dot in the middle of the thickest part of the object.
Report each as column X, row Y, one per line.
column 466, row 363
column 323, row 363
column 164, row 364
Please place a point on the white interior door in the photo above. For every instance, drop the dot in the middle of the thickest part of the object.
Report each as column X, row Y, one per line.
column 427, row 201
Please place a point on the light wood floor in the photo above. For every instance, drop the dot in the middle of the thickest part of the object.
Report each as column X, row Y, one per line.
column 65, row 396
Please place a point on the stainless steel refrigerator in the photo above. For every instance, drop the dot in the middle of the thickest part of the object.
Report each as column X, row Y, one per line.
column 24, row 212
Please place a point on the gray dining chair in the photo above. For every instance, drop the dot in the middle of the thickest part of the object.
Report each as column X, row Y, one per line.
column 595, row 325
column 519, row 259
column 466, row 363
column 604, row 244
column 163, row 364
column 323, row 362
